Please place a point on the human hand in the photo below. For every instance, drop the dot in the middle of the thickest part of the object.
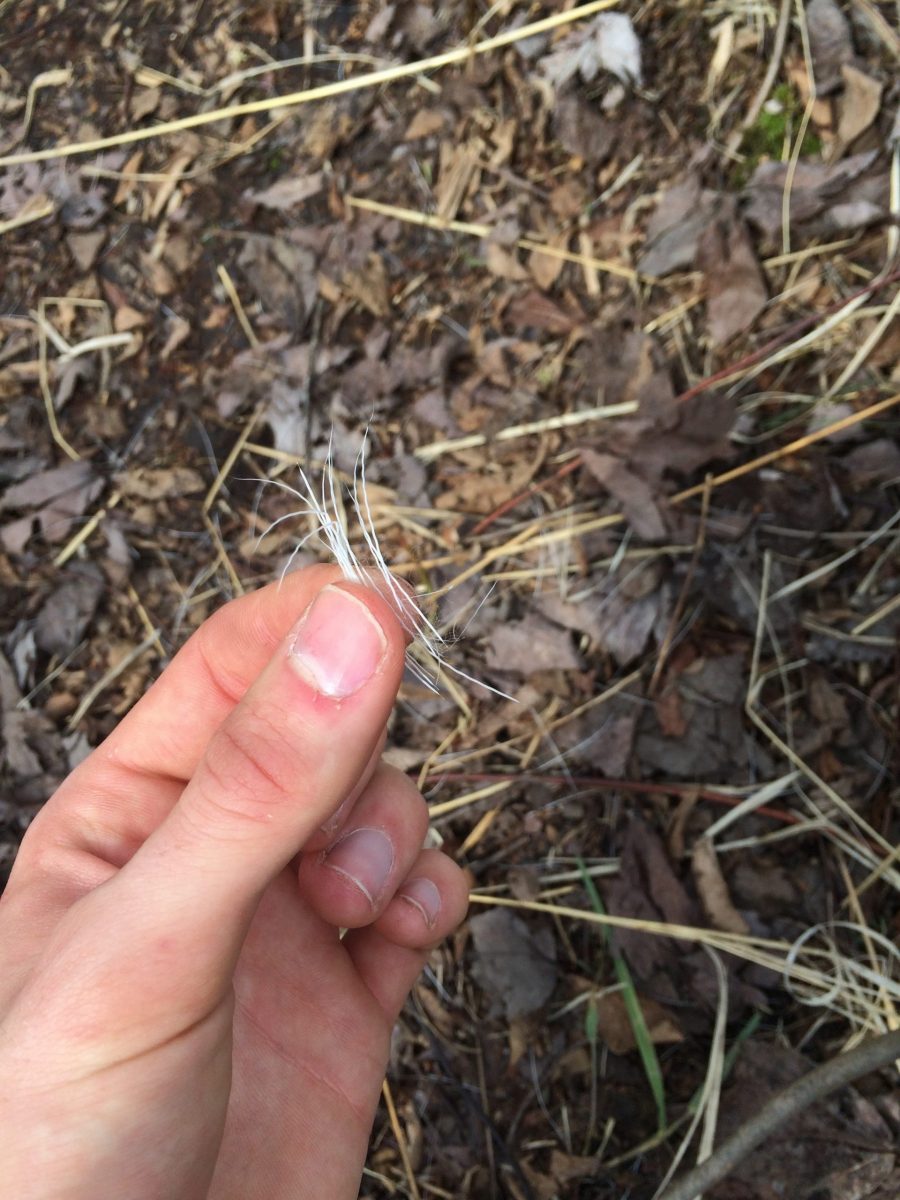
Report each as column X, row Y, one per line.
column 178, row 1016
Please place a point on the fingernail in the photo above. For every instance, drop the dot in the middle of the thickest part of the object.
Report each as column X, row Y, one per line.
column 365, row 857
column 423, row 895
column 339, row 645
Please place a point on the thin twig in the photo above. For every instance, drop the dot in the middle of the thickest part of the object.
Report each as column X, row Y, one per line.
column 566, row 469
column 601, row 783
column 783, row 1108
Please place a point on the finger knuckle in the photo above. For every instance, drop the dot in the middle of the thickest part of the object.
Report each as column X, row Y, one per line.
column 251, row 767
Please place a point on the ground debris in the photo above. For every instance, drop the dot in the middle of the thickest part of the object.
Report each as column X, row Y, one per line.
column 594, row 218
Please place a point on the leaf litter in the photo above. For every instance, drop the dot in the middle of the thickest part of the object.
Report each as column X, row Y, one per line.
column 619, row 257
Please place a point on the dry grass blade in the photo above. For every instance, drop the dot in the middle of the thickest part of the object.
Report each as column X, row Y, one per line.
column 859, row 1005
column 565, row 421
column 429, row 221
column 34, row 209
column 401, row 1141
column 706, row 1107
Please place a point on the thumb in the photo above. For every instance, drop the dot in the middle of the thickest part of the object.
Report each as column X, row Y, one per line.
column 273, row 773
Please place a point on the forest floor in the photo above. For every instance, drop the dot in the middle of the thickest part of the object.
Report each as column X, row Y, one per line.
column 612, row 310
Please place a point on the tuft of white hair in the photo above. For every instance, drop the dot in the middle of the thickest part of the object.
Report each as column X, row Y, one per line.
column 324, row 507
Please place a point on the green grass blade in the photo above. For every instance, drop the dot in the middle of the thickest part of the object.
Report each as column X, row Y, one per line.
column 646, row 1048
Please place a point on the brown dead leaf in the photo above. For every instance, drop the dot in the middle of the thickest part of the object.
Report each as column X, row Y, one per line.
column 648, row 888
column 816, row 187
column 179, row 332
column 857, row 106
column 532, row 310
column 325, row 127
column 735, row 290
column 503, row 263
column 144, row 101
column 615, row 1027
column 283, row 276
column 711, row 692
column 513, row 962
column 674, row 230
column 632, row 492
column 128, row 318
column 85, row 247
column 161, row 280
column 369, row 285
column 827, row 705
column 617, row 623
column 426, row 122
column 157, row 483
column 713, row 890
column 289, row 192
column 502, row 358
column 546, row 268
column 830, row 42
column 530, row 645
column 873, row 462
column 582, row 131
column 46, row 485
column 565, row 1168
column 64, row 617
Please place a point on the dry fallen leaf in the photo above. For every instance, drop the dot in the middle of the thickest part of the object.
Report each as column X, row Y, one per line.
column 632, row 492
column 85, row 247
column 513, row 962
column 68, row 611
column 288, row 192
column 615, row 1027
column 713, row 890
column 681, row 215
column 830, row 43
column 426, row 122
column 857, row 106
column 503, row 263
column 156, row 483
column 529, row 645
column 735, row 290
column 370, row 286
column 817, row 188
column 546, row 268
column 582, row 131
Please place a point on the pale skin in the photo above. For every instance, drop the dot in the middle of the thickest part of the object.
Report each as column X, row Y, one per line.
column 179, row 1017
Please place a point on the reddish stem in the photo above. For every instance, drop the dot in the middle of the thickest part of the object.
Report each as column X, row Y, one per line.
column 566, row 469
column 622, row 785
